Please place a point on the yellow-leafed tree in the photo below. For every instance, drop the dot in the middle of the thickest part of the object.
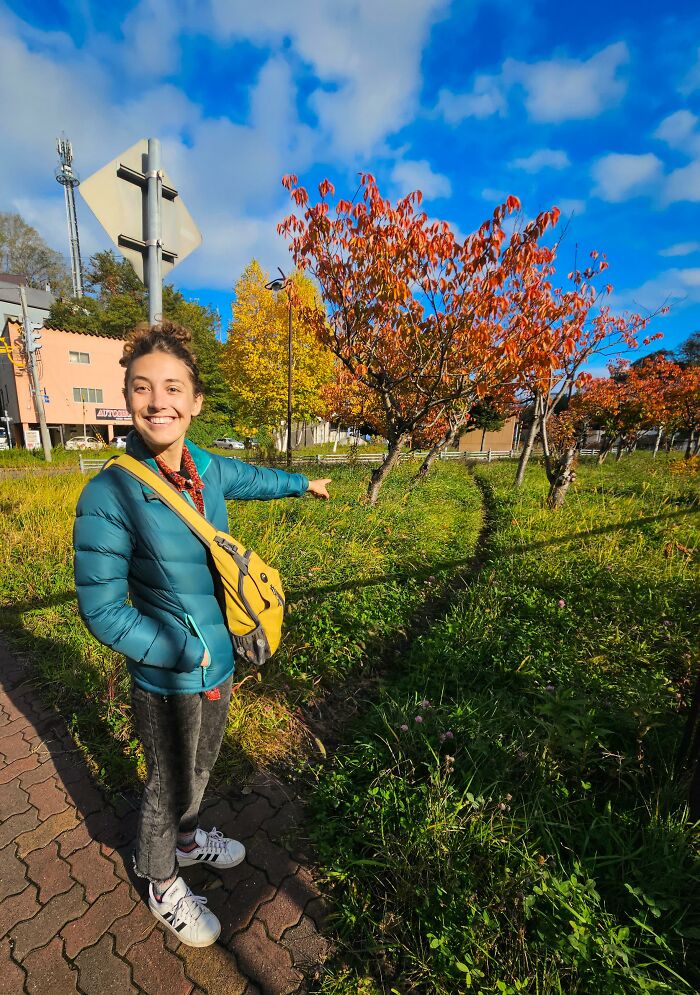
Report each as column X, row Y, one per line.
column 255, row 355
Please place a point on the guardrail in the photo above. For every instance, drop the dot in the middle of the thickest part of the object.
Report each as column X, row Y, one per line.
column 88, row 463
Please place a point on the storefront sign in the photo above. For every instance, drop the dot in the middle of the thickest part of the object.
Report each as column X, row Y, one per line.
column 32, row 438
column 112, row 414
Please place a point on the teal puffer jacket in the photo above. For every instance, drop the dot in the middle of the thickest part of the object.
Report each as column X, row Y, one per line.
column 143, row 582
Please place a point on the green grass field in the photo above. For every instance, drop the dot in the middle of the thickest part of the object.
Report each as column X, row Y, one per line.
column 525, row 831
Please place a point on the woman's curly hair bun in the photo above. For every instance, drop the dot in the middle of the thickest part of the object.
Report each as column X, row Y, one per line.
column 168, row 337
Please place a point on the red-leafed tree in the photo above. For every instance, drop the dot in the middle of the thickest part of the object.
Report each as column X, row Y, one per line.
column 416, row 317
column 579, row 328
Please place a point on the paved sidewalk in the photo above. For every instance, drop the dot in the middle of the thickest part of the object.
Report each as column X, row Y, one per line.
column 72, row 916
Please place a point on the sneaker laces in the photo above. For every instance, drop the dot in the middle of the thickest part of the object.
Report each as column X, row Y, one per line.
column 216, row 841
column 188, row 907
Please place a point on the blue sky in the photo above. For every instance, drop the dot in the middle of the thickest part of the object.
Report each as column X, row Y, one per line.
column 593, row 108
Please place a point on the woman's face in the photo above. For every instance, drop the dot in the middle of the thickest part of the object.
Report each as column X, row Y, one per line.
column 161, row 400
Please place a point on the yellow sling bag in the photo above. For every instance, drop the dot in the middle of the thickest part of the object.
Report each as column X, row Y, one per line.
column 250, row 591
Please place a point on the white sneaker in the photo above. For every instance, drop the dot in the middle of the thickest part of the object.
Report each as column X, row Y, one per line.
column 185, row 915
column 212, row 848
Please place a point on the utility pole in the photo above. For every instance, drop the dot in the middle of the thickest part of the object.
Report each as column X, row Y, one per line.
column 69, row 180
column 154, row 240
column 31, row 346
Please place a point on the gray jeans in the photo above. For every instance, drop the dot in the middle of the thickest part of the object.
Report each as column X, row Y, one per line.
column 181, row 736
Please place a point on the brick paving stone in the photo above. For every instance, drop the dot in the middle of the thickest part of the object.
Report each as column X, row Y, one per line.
column 308, row 948
column 267, row 964
column 86, row 798
column 156, row 969
column 42, row 772
column 21, row 703
column 103, row 973
column 12, row 974
column 244, row 900
column 48, row 972
column 13, row 800
column 132, row 928
column 45, row 832
column 17, row 908
column 96, row 921
column 93, row 871
column 49, row 872
column 15, row 726
column 13, row 873
column 73, row 839
column 284, row 910
column 14, row 748
column 9, row 772
column 48, row 921
column 16, row 825
column 318, row 911
column 249, row 820
column 47, row 798
column 119, row 859
column 213, row 969
column 284, row 821
column 274, row 860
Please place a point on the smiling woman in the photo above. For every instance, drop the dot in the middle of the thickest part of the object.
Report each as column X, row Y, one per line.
column 145, row 589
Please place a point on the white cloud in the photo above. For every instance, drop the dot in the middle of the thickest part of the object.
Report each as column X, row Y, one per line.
column 683, row 184
column 619, row 177
column 691, row 82
column 676, row 129
column 571, row 89
column 571, row 205
column 673, row 287
column 494, row 195
column 367, row 51
column 555, row 90
column 417, row 174
column 680, row 249
column 486, row 98
column 542, row 159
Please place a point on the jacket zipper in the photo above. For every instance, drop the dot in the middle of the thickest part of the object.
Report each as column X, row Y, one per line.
column 197, row 631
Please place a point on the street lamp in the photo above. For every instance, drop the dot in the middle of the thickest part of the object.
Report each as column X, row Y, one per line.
column 283, row 283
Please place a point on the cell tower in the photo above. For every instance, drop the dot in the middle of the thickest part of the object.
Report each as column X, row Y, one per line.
column 69, row 181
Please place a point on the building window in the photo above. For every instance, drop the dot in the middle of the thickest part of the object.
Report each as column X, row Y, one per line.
column 79, row 357
column 92, row 395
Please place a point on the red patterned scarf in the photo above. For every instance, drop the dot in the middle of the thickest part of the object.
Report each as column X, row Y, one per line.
column 187, row 481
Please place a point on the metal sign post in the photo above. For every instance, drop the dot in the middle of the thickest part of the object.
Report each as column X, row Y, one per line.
column 137, row 205
column 154, row 278
column 31, row 345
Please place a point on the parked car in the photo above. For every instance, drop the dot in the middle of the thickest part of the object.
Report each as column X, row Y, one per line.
column 228, row 443
column 84, row 442
column 119, row 442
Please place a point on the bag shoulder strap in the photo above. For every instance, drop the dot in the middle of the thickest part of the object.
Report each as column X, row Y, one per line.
column 170, row 495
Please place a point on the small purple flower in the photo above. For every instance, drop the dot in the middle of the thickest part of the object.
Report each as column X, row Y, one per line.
column 561, row 603
column 549, row 688
column 404, row 728
column 449, row 734
column 431, row 579
column 419, row 718
column 425, row 703
column 666, row 621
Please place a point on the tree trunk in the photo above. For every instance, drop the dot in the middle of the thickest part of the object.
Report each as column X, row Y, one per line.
column 696, row 447
column 563, row 477
column 618, row 454
column 658, row 440
column 384, row 469
column 440, row 447
column 483, row 440
column 689, row 446
column 527, row 448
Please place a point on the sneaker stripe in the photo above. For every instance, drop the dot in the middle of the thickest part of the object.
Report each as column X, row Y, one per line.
column 181, row 926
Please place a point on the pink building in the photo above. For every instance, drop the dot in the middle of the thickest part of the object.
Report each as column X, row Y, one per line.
column 81, row 381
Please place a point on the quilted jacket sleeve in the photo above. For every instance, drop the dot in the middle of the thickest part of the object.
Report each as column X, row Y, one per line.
column 103, row 546
column 245, row 482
